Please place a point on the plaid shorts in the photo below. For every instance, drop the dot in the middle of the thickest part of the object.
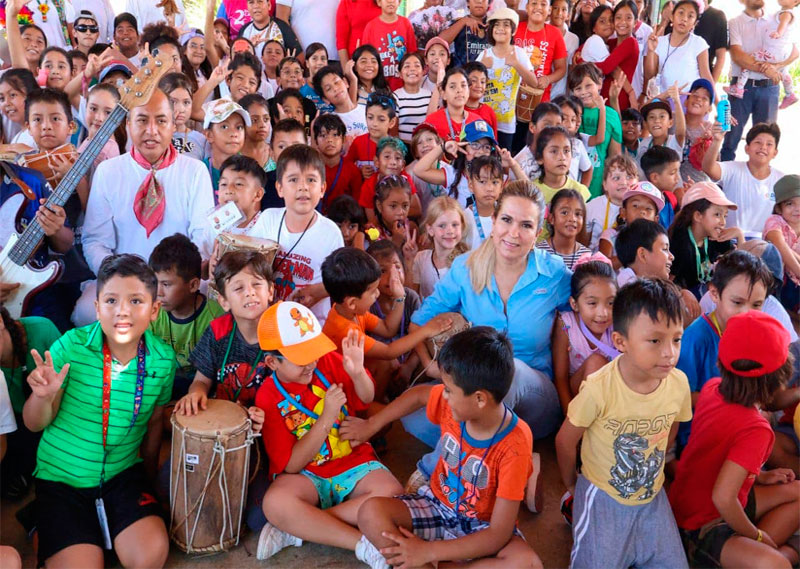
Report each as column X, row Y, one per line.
column 431, row 520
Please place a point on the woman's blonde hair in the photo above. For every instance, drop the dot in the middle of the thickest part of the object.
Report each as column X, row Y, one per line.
column 443, row 204
column 481, row 261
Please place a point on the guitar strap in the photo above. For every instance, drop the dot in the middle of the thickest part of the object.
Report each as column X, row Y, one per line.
column 12, row 175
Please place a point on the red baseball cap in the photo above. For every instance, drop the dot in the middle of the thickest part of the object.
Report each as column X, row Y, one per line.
column 754, row 336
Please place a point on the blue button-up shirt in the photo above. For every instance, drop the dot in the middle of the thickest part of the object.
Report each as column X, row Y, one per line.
column 541, row 290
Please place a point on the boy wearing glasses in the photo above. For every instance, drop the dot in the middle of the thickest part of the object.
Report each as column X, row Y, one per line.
column 86, row 31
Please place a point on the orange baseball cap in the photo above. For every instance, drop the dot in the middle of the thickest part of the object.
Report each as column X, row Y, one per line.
column 295, row 332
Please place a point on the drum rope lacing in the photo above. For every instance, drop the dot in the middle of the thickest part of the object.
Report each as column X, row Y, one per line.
column 435, row 355
column 215, row 468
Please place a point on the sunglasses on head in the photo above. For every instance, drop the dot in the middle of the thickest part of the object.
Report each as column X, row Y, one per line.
column 384, row 101
column 83, row 28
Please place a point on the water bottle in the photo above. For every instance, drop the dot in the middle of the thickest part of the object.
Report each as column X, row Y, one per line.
column 724, row 112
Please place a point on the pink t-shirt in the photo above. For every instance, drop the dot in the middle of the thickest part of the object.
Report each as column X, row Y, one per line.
column 776, row 221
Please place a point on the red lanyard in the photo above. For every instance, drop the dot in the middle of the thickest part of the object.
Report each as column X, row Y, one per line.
column 137, row 396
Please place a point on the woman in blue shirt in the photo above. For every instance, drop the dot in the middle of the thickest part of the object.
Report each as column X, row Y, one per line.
column 509, row 285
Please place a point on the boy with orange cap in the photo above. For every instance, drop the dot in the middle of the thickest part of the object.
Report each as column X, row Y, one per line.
column 320, row 480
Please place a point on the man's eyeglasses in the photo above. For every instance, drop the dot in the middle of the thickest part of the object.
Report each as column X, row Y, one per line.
column 83, row 28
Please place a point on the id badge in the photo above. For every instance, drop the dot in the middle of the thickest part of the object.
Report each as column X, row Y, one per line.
column 103, row 519
column 223, row 217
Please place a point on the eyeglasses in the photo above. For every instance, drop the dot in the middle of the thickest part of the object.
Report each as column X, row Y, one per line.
column 383, row 101
column 83, row 28
column 478, row 146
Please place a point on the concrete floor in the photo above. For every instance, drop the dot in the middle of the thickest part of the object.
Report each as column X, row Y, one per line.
column 546, row 532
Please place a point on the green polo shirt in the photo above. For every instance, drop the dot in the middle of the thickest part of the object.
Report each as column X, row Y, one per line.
column 71, row 449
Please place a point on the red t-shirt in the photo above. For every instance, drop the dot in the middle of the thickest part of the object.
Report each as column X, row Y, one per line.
column 285, row 423
column 438, row 120
column 720, row 431
column 470, row 474
column 487, row 113
column 543, row 48
column 366, row 197
column 362, row 151
column 351, row 18
column 348, row 182
column 626, row 57
column 392, row 41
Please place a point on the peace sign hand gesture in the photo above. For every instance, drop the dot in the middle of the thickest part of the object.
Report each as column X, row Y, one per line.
column 44, row 380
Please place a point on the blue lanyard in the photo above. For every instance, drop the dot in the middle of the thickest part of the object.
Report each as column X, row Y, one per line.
column 450, row 123
column 475, row 214
column 607, row 350
column 324, row 203
column 477, row 471
column 296, row 403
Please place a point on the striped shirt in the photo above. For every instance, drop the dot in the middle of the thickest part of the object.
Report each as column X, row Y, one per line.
column 412, row 109
column 569, row 259
column 71, row 449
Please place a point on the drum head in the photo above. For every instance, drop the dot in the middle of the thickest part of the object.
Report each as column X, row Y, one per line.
column 221, row 417
column 459, row 325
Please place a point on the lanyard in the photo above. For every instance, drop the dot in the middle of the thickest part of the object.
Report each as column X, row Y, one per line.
column 450, row 122
column 329, row 191
column 608, row 208
column 477, row 217
column 607, row 350
column 137, row 396
column 703, row 267
column 711, row 319
column 296, row 403
column 253, row 366
column 296, row 243
column 476, row 472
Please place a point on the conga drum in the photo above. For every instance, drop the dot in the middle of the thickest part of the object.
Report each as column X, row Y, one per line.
column 208, row 479
column 436, row 343
column 527, row 99
column 44, row 161
column 232, row 242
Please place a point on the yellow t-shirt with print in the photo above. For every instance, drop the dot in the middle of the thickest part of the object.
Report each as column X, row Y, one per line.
column 548, row 192
column 627, row 432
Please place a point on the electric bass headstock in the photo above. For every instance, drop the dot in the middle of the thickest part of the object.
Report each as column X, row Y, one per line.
column 137, row 90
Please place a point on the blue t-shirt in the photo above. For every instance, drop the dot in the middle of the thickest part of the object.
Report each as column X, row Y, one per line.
column 698, row 360
column 309, row 93
column 667, row 214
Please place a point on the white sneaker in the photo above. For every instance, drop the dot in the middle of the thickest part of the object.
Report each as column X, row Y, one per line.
column 369, row 554
column 534, row 495
column 416, row 481
column 272, row 540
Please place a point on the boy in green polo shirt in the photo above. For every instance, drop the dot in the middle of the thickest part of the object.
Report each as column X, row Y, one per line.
column 98, row 395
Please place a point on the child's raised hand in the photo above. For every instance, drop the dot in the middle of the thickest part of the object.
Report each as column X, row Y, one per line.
column 652, row 42
column 395, row 284
column 220, row 71
column 349, row 69
column 453, row 147
column 511, row 59
column 717, row 133
column 192, row 403
column 410, row 247
column 353, row 352
column 505, row 157
column 13, row 7
column 257, row 417
column 674, row 92
column 474, row 25
column 44, row 380
column 335, row 399
column 440, row 75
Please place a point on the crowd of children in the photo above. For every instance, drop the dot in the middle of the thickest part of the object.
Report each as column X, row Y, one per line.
column 625, row 287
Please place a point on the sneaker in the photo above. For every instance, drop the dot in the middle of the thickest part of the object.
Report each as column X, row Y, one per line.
column 416, row 481
column 735, row 90
column 566, row 507
column 534, row 496
column 272, row 540
column 788, row 101
column 369, row 554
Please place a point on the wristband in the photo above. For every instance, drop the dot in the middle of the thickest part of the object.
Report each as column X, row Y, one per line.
column 760, row 536
column 400, row 299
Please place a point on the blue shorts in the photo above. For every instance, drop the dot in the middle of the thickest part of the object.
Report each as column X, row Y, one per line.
column 431, row 520
column 334, row 490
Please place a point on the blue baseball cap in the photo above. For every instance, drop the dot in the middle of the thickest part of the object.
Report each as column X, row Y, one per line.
column 474, row 131
column 703, row 84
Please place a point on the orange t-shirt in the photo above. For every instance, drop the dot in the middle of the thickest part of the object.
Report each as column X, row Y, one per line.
column 502, row 471
column 337, row 327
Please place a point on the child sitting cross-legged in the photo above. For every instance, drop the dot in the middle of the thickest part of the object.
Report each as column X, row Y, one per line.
column 185, row 312
column 731, row 512
column 351, row 277
column 627, row 415
column 469, row 511
column 320, row 478
column 98, row 395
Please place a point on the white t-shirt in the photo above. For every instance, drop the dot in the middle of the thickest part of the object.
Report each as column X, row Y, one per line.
column 780, row 48
column 643, row 31
column 412, row 110
column 572, row 42
column 306, row 251
column 600, row 215
column 580, row 159
column 473, row 232
column 679, row 64
column 111, row 226
column 314, row 21
column 52, row 27
column 146, row 12
column 595, row 49
column 501, row 90
column 24, row 137
column 647, row 142
column 755, row 198
column 8, row 424
column 355, row 122
column 463, row 184
column 424, row 274
column 527, row 163
column 625, row 276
